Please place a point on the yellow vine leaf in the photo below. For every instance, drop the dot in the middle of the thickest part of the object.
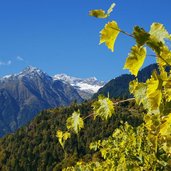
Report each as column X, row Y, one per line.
column 103, row 108
column 135, row 59
column 165, row 128
column 62, row 137
column 167, row 147
column 167, row 89
column 152, row 83
column 75, row 122
column 99, row 13
column 164, row 56
column 139, row 91
column 154, row 94
column 147, row 94
column 109, row 34
column 165, row 132
column 158, row 32
column 111, row 8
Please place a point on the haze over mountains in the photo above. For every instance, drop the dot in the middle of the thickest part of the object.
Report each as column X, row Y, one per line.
column 25, row 94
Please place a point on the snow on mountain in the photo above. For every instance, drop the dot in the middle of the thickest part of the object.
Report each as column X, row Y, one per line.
column 85, row 87
column 29, row 72
column 25, row 94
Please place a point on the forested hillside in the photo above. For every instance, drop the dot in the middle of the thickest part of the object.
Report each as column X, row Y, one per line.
column 35, row 146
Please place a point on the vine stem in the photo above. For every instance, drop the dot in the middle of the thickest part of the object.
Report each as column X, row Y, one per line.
column 122, row 101
column 160, row 58
column 116, row 103
column 124, row 32
column 130, row 35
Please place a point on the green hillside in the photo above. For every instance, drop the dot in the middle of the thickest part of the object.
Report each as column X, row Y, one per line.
column 35, row 146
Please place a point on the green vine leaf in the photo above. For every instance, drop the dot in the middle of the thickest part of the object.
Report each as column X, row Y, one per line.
column 167, row 89
column 140, row 35
column 103, row 108
column 99, row 13
column 149, row 94
column 154, row 94
column 135, row 59
column 75, row 122
column 139, row 91
column 109, row 34
column 62, row 137
column 165, row 128
column 164, row 56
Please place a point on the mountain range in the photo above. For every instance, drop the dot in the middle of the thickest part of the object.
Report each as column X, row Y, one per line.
column 85, row 87
column 25, row 94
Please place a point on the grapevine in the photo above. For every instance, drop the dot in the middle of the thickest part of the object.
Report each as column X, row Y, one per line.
column 148, row 146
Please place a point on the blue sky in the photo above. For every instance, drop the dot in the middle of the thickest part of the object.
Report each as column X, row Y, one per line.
column 58, row 36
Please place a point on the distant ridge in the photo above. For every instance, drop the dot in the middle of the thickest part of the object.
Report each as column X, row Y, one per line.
column 86, row 87
column 119, row 87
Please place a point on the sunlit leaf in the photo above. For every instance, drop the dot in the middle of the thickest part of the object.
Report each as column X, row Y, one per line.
column 99, row 13
column 139, row 91
column 164, row 58
column 109, row 34
column 148, row 94
column 62, row 137
column 111, row 8
column 75, row 122
column 154, row 94
column 135, row 59
column 158, row 32
column 155, row 45
column 103, row 108
column 165, row 128
column 167, row 89
column 95, row 145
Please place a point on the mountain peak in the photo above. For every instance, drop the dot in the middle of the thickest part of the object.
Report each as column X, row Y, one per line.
column 86, row 87
column 29, row 72
column 31, row 69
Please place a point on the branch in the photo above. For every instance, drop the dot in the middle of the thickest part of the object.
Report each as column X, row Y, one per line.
column 116, row 103
column 160, row 58
column 130, row 35
column 122, row 101
column 88, row 116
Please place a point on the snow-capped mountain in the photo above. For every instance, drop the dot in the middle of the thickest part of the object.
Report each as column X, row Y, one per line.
column 29, row 72
column 85, row 87
column 25, row 94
